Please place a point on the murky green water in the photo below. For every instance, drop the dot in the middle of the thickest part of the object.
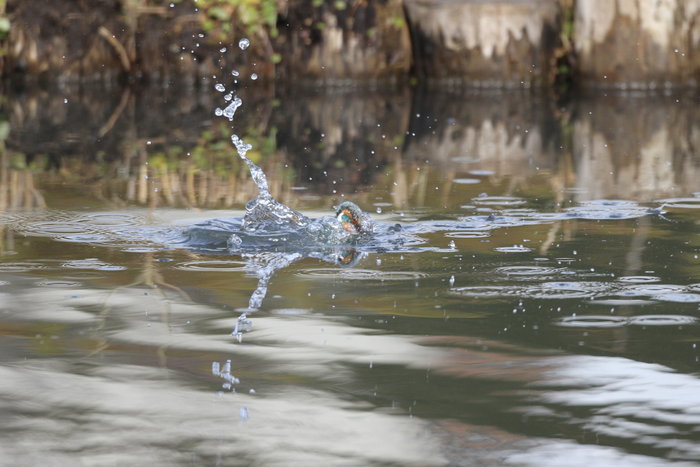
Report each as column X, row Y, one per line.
column 545, row 311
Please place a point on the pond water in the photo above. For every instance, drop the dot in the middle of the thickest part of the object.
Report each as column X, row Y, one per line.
column 539, row 304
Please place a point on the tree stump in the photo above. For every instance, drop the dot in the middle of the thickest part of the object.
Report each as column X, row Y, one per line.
column 487, row 43
column 638, row 44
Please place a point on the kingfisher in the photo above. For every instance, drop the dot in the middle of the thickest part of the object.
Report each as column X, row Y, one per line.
column 353, row 220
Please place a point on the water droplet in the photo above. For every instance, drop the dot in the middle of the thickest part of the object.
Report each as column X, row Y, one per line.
column 234, row 73
column 254, row 76
column 65, row 101
column 243, row 43
column 230, row 110
column 220, row 87
column 222, row 49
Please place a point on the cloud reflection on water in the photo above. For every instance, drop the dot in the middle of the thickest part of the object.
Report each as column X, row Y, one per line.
column 110, row 410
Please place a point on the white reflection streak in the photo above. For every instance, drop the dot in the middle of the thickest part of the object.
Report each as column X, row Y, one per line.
column 125, row 415
column 642, row 402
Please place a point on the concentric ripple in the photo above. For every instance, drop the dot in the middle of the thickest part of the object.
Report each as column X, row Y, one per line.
column 92, row 263
column 213, row 266
column 466, row 181
column 82, row 237
column 566, row 290
column 486, row 291
column 639, row 279
column 681, row 203
column 592, row 321
column 468, row 234
column 621, row 302
column 606, row 209
column 23, row 266
column 649, row 290
column 527, row 271
column 600, row 321
column 360, row 274
column 290, row 311
column 53, row 228
column 109, row 219
column 57, row 283
column 513, row 249
column 554, row 290
column 662, row 320
column 140, row 249
column 498, row 201
column 482, row 172
column 678, row 297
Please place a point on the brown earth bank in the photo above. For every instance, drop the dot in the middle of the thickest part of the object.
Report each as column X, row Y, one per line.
column 473, row 43
column 106, row 40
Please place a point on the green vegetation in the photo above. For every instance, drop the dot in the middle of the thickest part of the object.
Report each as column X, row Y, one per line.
column 4, row 32
column 564, row 53
column 255, row 17
column 4, row 27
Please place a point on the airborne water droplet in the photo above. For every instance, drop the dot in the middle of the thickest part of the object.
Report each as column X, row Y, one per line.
column 220, row 87
column 230, row 110
column 243, row 43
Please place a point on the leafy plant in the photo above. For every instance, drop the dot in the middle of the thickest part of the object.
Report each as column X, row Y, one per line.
column 254, row 16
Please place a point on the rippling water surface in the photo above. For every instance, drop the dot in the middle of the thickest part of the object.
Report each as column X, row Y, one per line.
column 528, row 297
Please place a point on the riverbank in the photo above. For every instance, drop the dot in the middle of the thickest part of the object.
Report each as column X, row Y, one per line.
column 531, row 44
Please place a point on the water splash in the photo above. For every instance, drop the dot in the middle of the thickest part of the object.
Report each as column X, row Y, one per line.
column 230, row 109
column 271, row 235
